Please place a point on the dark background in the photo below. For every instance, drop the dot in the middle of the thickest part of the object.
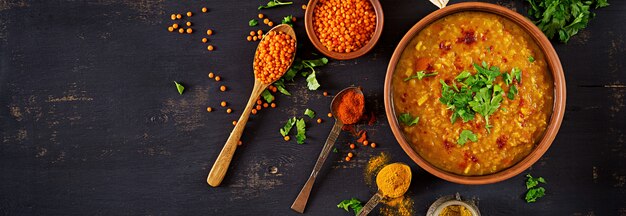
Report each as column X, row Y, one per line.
column 91, row 123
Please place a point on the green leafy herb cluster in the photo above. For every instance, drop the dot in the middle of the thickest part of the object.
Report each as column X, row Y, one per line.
column 310, row 113
column 465, row 136
column 563, row 17
column 408, row 120
column 274, row 3
column 534, row 192
column 288, row 20
column 298, row 66
column 478, row 93
column 253, row 22
column 353, row 204
column 300, row 129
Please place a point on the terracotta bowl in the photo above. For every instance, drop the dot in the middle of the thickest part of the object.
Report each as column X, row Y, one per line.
column 308, row 23
column 554, row 65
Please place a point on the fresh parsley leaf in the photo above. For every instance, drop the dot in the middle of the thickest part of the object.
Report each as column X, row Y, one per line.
column 312, row 81
column 267, row 95
column 335, row 150
column 533, row 194
column 274, row 3
column 512, row 92
column 531, row 59
column 465, row 136
column 463, row 75
column 280, row 85
column 406, row 119
column 309, row 113
column 253, row 22
column 290, row 123
column 532, row 182
column 301, row 128
column 288, row 20
column 517, row 74
column 508, row 79
column 420, row 75
column 353, row 203
column 563, row 17
column 179, row 87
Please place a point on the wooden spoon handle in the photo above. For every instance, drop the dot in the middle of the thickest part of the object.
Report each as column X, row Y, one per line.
column 218, row 171
column 303, row 197
column 369, row 206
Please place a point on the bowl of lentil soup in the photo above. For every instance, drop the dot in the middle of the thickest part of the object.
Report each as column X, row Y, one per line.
column 474, row 93
column 343, row 29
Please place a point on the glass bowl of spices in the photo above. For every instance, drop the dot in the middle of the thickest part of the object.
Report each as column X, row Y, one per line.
column 453, row 205
column 344, row 30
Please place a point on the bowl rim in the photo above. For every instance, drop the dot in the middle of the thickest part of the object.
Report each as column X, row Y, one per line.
column 308, row 24
column 554, row 65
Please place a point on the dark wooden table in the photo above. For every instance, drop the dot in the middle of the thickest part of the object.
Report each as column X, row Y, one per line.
column 91, row 123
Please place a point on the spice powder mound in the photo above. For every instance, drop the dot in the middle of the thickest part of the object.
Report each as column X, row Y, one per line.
column 350, row 108
column 374, row 165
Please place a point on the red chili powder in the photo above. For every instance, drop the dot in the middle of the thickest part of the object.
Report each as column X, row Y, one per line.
column 350, row 108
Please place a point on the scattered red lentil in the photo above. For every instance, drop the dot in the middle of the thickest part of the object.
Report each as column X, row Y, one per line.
column 239, row 142
column 223, row 103
column 204, row 10
column 273, row 105
column 175, row 25
column 265, row 105
column 209, row 32
column 330, row 115
column 287, row 138
column 209, row 109
column 266, row 21
column 352, row 146
column 252, row 33
column 234, row 123
column 170, row 29
column 189, row 30
column 249, row 38
column 210, row 47
column 218, row 78
column 366, row 142
column 347, row 159
column 188, row 23
column 319, row 120
column 173, row 16
column 229, row 110
column 350, row 154
column 211, row 75
column 261, row 16
column 303, row 7
column 258, row 107
column 189, row 14
column 178, row 16
column 254, row 111
column 259, row 102
column 373, row 145
column 204, row 40
column 325, row 94
column 270, row 23
column 181, row 30
column 222, row 88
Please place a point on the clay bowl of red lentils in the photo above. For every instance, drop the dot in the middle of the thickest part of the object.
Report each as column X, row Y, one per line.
column 342, row 29
column 438, row 115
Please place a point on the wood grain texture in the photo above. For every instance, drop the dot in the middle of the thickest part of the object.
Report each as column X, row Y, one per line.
column 91, row 122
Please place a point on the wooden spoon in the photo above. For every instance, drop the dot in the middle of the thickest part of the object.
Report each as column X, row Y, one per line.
column 218, row 171
column 369, row 206
column 300, row 203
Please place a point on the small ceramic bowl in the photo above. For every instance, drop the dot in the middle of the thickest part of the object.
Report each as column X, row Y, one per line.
column 308, row 23
column 452, row 200
column 554, row 65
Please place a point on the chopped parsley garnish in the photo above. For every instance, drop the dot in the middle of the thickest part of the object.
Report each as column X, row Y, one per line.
column 267, row 95
column 353, row 203
column 408, row 120
column 253, row 22
column 311, row 81
column 280, row 85
column 534, row 192
column 298, row 65
column 179, row 87
column 290, row 123
column 465, row 136
column 309, row 113
column 288, row 20
column 301, row 129
column 274, row 3
column 420, row 75
column 335, row 150
column 563, row 17
column 477, row 93
column 531, row 59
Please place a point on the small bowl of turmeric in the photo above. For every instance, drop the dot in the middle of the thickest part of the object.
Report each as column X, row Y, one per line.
column 344, row 30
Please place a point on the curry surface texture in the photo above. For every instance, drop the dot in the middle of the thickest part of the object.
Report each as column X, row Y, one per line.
column 452, row 45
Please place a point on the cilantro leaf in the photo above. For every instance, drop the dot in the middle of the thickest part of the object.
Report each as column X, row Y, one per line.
column 531, row 59
column 420, row 75
column 280, row 85
column 465, row 136
column 517, row 74
column 253, row 22
column 267, row 96
column 533, row 194
column 301, row 128
column 288, row 20
column 353, row 203
column 463, row 75
column 406, row 119
column 309, row 113
column 335, row 150
column 288, row 125
column 563, row 17
column 512, row 92
column 179, row 87
column 312, row 81
column 274, row 3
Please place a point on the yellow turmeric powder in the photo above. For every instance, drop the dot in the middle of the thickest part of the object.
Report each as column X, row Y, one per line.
column 374, row 165
column 394, row 180
column 455, row 210
column 401, row 206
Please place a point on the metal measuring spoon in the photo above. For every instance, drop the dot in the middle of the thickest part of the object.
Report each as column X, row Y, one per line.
column 300, row 203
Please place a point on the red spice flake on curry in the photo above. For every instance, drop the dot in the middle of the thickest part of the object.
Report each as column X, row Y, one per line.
column 350, row 108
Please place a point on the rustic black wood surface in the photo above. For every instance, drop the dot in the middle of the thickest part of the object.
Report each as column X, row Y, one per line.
column 91, row 123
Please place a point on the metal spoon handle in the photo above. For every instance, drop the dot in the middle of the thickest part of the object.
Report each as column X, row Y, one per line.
column 369, row 206
column 300, row 203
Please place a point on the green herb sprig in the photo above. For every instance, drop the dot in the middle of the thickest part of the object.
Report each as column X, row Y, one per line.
column 534, row 192
column 408, row 120
column 563, row 17
column 274, row 3
column 179, row 87
column 354, row 204
column 420, row 75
